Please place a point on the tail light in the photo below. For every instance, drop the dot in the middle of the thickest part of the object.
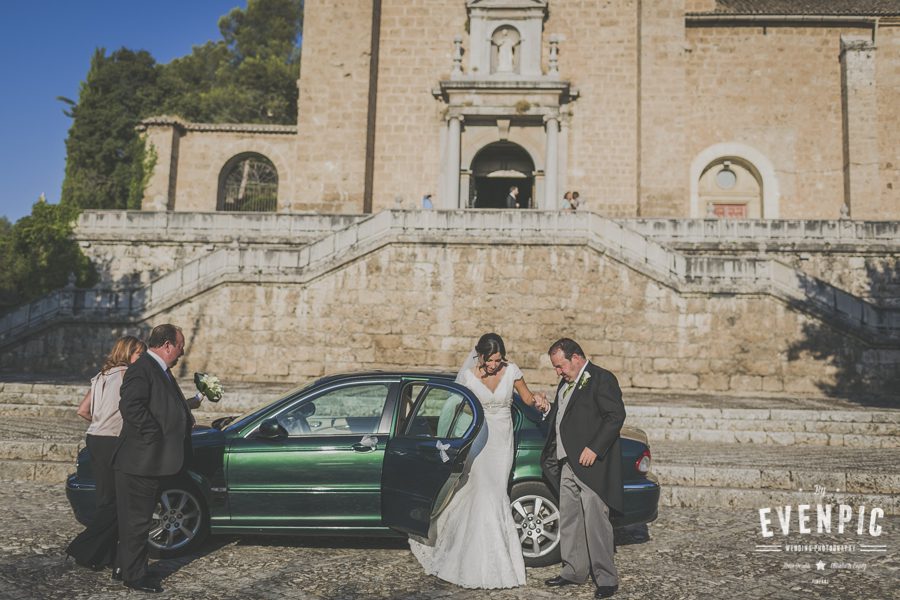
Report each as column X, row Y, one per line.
column 642, row 464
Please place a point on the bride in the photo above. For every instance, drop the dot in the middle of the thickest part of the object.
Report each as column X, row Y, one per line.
column 476, row 544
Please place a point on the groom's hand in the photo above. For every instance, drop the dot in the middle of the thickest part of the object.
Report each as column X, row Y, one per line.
column 587, row 458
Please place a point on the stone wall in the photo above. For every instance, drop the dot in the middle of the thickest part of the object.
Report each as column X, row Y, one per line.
column 190, row 158
column 887, row 72
column 599, row 56
column 333, row 106
column 416, row 50
column 414, row 289
column 776, row 89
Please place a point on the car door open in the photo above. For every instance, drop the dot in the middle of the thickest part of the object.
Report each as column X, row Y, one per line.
column 425, row 459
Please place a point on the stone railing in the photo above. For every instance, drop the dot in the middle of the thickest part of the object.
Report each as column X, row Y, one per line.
column 200, row 227
column 828, row 234
column 686, row 274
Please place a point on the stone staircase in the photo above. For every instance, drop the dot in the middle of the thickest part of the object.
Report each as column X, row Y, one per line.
column 876, row 325
column 708, row 452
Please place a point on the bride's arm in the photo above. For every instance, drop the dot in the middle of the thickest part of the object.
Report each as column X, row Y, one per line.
column 537, row 400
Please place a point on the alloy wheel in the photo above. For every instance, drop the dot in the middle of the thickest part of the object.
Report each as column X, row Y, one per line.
column 537, row 521
column 176, row 520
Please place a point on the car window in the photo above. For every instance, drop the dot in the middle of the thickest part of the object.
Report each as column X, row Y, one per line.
column 353, row 409
column 441, row 413
column 408, row 397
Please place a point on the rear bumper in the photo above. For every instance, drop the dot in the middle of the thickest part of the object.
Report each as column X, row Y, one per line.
column 641, row 503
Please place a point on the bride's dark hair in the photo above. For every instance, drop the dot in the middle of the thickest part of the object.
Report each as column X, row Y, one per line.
column 489, row 344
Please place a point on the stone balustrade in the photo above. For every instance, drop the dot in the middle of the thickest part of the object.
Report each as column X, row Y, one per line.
column 822, row 233
column 691, row 274
column 206, row 227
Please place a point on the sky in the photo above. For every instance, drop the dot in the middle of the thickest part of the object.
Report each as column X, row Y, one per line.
column 46, row 48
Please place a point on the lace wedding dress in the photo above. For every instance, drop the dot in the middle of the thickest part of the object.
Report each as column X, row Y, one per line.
column 476, row 544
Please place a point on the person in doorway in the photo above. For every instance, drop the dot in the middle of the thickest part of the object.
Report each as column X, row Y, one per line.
column 512, row 198
column 426, row 202
column 576, row 200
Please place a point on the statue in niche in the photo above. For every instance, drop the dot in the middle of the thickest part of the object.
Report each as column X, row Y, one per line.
column 505, row 50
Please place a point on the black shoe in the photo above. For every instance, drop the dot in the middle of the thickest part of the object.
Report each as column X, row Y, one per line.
column 559, row 581
column 144, row 584
column 116, row 574
column 605, row 591
column 85, row 565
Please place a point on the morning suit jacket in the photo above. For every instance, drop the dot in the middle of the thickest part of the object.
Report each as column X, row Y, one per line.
column 592, row 419
column 156, row 423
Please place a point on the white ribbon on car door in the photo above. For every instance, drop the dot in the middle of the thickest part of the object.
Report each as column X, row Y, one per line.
column 369, row 440
column 443, row 448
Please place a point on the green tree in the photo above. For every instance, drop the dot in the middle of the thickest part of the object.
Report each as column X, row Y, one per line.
column 103, row 151
column 250, row 76
column 38, row 254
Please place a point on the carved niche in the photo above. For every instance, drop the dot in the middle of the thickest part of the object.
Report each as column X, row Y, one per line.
column 505, row 38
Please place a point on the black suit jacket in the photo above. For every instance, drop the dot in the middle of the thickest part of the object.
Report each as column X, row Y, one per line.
column 593, row 419
column 155, row 439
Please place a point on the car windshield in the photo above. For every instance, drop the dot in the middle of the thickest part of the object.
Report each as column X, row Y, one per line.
column 231, row 423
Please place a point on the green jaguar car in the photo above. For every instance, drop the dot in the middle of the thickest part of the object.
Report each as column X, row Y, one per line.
column 360, row 454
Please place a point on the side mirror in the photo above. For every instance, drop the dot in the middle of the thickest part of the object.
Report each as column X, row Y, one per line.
column 270, row 429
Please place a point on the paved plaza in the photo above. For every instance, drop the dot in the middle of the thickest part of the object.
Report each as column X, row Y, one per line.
column 686, row 553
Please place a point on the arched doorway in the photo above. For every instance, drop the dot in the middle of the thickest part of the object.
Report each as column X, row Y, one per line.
column 495, row 169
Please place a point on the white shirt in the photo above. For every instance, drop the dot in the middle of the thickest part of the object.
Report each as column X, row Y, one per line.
column 192, row 402
column 563, row 400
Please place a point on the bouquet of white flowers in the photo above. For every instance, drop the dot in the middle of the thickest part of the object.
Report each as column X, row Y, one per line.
column 209, row 386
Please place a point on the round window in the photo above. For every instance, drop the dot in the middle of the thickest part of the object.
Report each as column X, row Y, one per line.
column 726, row 178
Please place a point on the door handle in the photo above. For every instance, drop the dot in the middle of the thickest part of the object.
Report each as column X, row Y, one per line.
column 362, row 447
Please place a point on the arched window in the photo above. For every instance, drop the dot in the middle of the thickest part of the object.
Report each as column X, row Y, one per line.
column 248, row 182
column 730, row 189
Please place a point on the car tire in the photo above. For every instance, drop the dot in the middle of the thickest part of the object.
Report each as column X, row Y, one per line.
column 535, row 510
column 180, row 520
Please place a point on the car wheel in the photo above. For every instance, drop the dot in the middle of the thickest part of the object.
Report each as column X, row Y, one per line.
column 536, row 513
column 180, row 521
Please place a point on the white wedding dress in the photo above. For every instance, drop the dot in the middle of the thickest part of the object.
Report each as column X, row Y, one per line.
column 476, row 542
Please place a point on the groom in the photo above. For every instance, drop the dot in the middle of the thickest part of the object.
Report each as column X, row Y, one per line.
column 583, row 456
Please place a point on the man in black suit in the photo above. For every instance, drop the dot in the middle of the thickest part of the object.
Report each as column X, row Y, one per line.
column 512, row 198
column 584, row 457
column 155, row 442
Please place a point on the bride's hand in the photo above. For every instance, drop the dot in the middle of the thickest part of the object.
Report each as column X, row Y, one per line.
column 540, row 402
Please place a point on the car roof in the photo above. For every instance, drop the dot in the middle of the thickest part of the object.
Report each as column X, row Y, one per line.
column 376, row 374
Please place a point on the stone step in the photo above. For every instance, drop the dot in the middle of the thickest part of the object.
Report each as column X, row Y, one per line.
column 776, row 478
column 36, row 470
column 706, row 498
column 775, row 438
column 781, row 415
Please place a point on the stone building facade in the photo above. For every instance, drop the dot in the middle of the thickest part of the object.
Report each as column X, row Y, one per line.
column 654, row 108
column 739, row 161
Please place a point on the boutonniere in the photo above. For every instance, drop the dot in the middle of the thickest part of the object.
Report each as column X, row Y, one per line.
column 584, row 380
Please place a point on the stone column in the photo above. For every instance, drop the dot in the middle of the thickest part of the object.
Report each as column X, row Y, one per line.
column 861, row 127
column 551, row 169
column 162, row 137
column 451, row 166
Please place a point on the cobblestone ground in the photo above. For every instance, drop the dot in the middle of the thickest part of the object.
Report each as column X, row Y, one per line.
column 686, row 553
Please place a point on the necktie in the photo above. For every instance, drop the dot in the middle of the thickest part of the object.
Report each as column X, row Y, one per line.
column 568, row 388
